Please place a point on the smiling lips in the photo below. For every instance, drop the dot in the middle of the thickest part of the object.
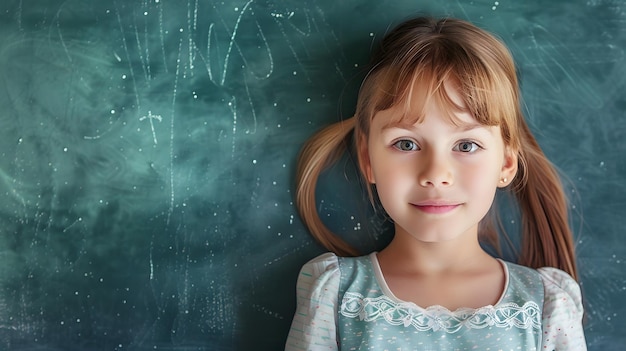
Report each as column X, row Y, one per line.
column 436, row 207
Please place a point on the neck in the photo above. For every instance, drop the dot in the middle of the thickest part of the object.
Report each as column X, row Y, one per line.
column 433, row 258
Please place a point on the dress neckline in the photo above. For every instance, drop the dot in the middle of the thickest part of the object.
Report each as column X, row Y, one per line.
column 380, row 279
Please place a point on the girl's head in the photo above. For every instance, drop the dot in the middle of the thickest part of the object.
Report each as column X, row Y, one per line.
column 462, row 70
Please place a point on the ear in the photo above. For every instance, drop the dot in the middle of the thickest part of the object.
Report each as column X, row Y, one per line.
column 364, row 159
column 509, row 167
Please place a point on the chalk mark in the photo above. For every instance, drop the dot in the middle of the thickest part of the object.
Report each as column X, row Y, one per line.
column 232, row 43
column 150, row 117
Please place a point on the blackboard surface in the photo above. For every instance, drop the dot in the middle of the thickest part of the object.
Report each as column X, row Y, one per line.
column 147, row 150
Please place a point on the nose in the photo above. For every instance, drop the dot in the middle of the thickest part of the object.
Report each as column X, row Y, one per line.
column 435, row 171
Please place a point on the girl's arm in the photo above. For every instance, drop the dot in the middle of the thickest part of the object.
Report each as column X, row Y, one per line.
column 562, row 312
column 314, row 323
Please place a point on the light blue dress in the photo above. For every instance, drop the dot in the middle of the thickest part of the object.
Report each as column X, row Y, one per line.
column 345, row 304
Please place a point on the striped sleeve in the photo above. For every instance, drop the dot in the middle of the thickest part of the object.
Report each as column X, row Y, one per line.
column 562, row 312
column 314, row 324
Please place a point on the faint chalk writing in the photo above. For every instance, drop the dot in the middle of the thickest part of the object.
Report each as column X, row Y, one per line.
column 150, row 117
column 232, row 43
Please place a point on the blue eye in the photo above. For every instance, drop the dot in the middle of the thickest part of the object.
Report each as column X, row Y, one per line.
column 467, row 146
column 406, row 145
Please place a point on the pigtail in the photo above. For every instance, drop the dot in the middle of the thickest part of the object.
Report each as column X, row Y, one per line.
column 546, row 236
column 317, row 154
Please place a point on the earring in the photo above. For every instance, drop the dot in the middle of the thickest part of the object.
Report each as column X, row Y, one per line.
column 503, row 180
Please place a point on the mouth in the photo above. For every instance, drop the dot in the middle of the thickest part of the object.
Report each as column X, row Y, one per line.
column 436, row 207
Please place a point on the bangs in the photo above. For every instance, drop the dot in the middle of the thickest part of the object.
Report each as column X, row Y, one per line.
column 427, row 73
column 418, row 93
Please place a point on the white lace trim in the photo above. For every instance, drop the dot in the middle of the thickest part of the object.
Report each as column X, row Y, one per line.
column 437, row 318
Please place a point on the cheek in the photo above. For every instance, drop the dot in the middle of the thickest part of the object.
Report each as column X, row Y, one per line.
column 391, row 170
column 479, row 175
column 394, row 185
column 390, row 196
column 484, row 170
column 480, row 181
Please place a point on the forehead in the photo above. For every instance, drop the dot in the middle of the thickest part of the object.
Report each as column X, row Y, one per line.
column 422, row 99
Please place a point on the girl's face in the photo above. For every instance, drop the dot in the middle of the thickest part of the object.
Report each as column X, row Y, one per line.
column 435, row 179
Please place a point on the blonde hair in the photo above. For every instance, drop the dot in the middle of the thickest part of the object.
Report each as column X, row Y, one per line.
column 431, row 52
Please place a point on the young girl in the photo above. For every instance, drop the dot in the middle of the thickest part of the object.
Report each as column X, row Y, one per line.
column 437, row 129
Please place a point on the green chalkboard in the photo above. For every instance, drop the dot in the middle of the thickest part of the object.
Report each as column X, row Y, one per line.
column 147, row 151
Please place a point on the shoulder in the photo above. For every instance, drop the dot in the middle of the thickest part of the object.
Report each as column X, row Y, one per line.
column 554, row 283
column 323, row 269
column 562, row 311
column 559, row 288
column 556, row 280
column 324, row 260
column 313, row 325
column 331, row 265
column 561, row 291
column 329, row 273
